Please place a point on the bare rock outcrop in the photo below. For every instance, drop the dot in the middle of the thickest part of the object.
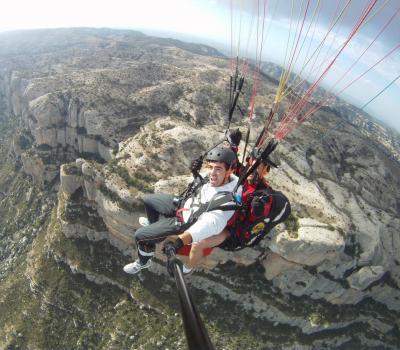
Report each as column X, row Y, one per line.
column 125, row 124
column 92, row 207
column 365, row 276
column 314, row 243
column 108, row 189
column 312, row 261
column 85, row 107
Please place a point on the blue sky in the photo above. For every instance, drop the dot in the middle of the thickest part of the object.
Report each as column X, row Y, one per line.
column 211, row 20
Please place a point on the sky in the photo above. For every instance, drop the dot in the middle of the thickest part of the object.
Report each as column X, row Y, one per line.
column 218, row 22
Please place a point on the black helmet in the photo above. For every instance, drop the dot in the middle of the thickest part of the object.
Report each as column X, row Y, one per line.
column 222, row 154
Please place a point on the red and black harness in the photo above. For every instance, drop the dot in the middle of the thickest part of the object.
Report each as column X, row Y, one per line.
column 221, row 201
column 245, row 225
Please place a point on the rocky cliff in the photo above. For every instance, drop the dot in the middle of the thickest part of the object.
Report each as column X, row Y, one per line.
column 101, row 117
column 72, row 104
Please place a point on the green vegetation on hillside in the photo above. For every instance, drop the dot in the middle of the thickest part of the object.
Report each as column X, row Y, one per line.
column 292, row 225
column 70, row 293
column 139, row 181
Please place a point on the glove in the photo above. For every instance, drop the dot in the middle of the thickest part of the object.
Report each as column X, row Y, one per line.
column 173, row 241
column 258, row 205
column 196, row 165
column 234, row 137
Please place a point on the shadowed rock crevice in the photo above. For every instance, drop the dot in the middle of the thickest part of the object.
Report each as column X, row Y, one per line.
column 97, row 118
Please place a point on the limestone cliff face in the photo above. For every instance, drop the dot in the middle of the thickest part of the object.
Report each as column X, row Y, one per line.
column 80, row 106
column 314, row 261
column 77, row 107
column 114, row 191
column 354, row 204
column 59, row 129
column 111, row 115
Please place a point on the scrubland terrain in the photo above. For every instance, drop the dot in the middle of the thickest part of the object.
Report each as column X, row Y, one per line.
column 91, row 119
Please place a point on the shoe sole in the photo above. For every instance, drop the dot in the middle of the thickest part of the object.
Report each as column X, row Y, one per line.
column 135, row 273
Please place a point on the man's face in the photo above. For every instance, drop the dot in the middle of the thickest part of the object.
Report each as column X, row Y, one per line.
column 217, row 173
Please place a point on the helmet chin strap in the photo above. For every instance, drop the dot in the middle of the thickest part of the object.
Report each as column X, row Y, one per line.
column 227, row 176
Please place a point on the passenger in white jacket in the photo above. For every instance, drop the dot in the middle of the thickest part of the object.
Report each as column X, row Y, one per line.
column 188, row 221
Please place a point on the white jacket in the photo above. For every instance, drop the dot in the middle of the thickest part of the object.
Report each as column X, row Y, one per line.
column 209, row 223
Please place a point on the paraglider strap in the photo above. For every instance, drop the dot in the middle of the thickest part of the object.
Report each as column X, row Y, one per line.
column 179, row 214
column 262, row 156
column 216, row 203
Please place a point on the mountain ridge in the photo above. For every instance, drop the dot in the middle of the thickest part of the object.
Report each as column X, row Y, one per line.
column 103, row 121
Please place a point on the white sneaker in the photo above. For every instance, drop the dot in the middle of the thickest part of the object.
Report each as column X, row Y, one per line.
column 136, row 266
column 144, row 221
column 187, row 270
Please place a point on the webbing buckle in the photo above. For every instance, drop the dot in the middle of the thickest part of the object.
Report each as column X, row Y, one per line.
column 179, row 214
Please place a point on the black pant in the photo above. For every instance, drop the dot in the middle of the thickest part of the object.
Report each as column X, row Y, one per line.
column 161, row 212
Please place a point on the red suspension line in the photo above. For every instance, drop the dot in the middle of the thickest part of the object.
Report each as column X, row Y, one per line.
column 313, row 23
column 295, row 110
column 362, row 54
column 332, row 24
column 334, row 20
column 313, row 110
column 259, row 48
column 372, row 42
column 286, row 74
column 298, row 38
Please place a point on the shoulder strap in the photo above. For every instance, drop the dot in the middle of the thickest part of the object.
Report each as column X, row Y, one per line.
column 193, row 188
column 224, row 201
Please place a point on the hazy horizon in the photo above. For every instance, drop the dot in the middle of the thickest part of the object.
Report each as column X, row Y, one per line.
column 187, row 18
